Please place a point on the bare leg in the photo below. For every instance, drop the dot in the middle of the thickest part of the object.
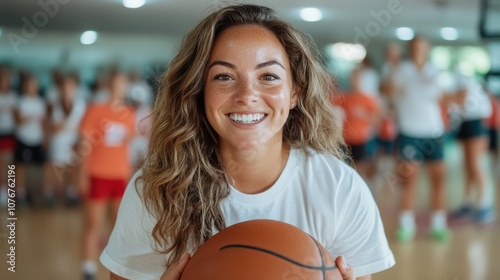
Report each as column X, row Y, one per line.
column 437, row 176
column 95, row 211
column 475, row 149
column 408, row 173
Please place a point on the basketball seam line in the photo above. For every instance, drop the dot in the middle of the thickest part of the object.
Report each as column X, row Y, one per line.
column 323, row 268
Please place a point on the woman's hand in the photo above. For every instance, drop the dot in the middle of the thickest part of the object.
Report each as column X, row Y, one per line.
column 344, row 268
column 174, row 272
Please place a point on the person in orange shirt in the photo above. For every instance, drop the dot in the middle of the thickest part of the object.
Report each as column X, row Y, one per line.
column 362, row 113
column 105, row 133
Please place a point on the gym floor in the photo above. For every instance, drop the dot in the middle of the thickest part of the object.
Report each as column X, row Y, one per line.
column 48, row 240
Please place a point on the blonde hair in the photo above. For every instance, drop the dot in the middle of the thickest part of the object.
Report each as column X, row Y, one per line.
column 183, row 178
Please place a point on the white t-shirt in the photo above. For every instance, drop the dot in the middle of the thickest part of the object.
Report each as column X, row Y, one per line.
column 417, row 101
column 319, row 194
column 477, row 104
column 31, row 131
column 7, row 106
column 72, row 121
column 369, row 81
column 53, row 96
column 62, row 142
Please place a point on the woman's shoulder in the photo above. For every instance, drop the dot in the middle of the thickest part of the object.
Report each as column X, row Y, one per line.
column 325, row 163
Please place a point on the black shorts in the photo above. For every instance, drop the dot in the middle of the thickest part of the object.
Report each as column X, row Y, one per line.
column 420, row 149
column 471, row 129
column 28, row 154
column 358, row 152
column 493, row 146
column 386, row 146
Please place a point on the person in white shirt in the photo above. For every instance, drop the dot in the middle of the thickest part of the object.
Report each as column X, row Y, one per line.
column 140, row 96
column 369, row 79
column 30, row 132
column 473, row 136
column 66, row 115
column 7, row 126
column 243, row 129
column 417, row 96
column 53, row 93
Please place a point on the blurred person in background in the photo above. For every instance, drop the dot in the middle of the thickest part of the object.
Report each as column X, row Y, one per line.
column 7, row 125
column 387, row 130
column 417, row 96
column 30, row 133
column 82, row 90
column 105, row 133
column 473, row 137
column 140, row 96
column 362, row 114
column 369, row 84
column 99, row 89
column 369, row 80
column 53, row 93
column 66, row 115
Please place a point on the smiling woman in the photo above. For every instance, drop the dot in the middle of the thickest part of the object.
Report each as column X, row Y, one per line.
column 243, row 129
column 249, row 89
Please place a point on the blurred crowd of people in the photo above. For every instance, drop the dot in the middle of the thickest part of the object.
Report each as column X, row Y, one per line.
column 399, row 120
column 42, row 128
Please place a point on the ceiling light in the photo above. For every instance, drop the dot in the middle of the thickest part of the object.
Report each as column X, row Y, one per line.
column 133, row 4
column 449, row 33
column 348, row 52
column 88, row 37
column 311, row 14
column 405, row 33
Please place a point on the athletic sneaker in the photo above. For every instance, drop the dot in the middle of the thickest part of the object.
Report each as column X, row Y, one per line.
column 405, row 234
column 485, row 215
column 442, row 234
column 464, row 212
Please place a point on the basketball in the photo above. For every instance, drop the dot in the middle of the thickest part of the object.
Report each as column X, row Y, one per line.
column 261, row 249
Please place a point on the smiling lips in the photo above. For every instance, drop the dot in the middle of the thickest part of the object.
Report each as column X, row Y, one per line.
column 247, row 118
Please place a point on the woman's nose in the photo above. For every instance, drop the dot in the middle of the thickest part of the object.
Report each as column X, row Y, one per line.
column 246, row 92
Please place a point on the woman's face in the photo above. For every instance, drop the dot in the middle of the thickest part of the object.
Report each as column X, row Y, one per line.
column 248, row 88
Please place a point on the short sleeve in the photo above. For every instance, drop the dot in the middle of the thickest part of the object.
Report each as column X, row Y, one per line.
column 87, row 122
column 129, row 252
column 360, row 237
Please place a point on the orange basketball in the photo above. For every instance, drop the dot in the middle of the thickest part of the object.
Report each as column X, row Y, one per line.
column 263, row 250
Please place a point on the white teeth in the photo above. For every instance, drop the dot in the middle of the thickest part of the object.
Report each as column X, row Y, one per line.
column 250, row 118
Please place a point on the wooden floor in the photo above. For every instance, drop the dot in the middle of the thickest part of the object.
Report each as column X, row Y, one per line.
column 48, row 240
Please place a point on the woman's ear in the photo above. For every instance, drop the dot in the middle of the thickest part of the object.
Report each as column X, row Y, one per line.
column 295, row 97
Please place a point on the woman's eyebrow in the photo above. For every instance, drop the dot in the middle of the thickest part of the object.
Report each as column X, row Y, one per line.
column 223, row 63
column 269, row 63
column 260, row 65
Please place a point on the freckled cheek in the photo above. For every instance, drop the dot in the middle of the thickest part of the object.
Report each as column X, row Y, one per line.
column 279, row 101
column 214, row 103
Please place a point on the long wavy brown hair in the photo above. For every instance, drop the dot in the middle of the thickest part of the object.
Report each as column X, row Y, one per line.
column 183, row 179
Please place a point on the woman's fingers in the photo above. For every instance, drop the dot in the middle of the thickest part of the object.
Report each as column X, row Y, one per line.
column 344, row 268
column 174, row 272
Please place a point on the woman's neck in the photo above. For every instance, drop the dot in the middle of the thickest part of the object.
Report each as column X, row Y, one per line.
column 255, row 171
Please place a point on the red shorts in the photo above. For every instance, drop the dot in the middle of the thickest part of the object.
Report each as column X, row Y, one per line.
column 7, row 143
column 106, row 188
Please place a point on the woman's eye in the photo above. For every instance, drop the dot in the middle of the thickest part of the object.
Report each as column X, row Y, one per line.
column 222, row 77
column 270, row 77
